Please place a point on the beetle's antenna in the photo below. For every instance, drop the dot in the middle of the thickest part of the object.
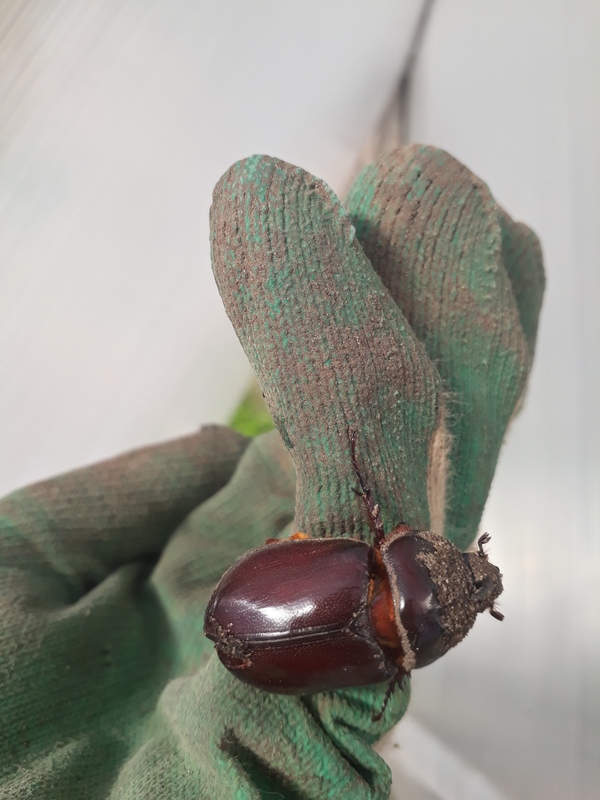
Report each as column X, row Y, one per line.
column 496, row 614
column 375, row 521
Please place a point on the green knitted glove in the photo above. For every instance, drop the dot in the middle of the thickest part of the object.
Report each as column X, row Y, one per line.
column 86, row 646
column 108, row 689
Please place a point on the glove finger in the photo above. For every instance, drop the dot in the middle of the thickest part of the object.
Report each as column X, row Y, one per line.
column 257, row 503
column 80, row 526
column 435, row 236
column 329, row 346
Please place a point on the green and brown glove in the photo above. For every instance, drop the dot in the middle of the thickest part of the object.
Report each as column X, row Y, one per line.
column 422, row 342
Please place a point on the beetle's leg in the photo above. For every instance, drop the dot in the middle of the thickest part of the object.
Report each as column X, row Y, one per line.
column 375, row 521
column 496, row 614
column 397, row 680
column 388, row 694
column 483, row 539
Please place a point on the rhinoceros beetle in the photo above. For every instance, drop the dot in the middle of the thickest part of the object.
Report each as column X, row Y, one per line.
column 305, row 615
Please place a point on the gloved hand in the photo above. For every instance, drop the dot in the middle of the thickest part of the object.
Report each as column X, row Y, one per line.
column 107, row 685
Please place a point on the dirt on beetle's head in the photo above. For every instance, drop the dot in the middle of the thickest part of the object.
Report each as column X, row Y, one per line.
column 437, row 592
column 488, row 581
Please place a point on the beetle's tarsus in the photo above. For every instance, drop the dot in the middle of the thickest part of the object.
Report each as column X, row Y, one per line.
column 483, row 539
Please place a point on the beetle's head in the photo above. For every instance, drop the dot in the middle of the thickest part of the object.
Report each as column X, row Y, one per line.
column 437, row 592
column 487, row 579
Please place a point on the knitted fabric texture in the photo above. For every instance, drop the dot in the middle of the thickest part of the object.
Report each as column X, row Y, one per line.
column 470, row 282
column 330, row 348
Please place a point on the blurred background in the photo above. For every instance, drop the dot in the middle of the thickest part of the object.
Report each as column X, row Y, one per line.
column 116, row 121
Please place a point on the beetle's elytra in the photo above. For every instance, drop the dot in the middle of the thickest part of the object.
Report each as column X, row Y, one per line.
column 306, row 615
